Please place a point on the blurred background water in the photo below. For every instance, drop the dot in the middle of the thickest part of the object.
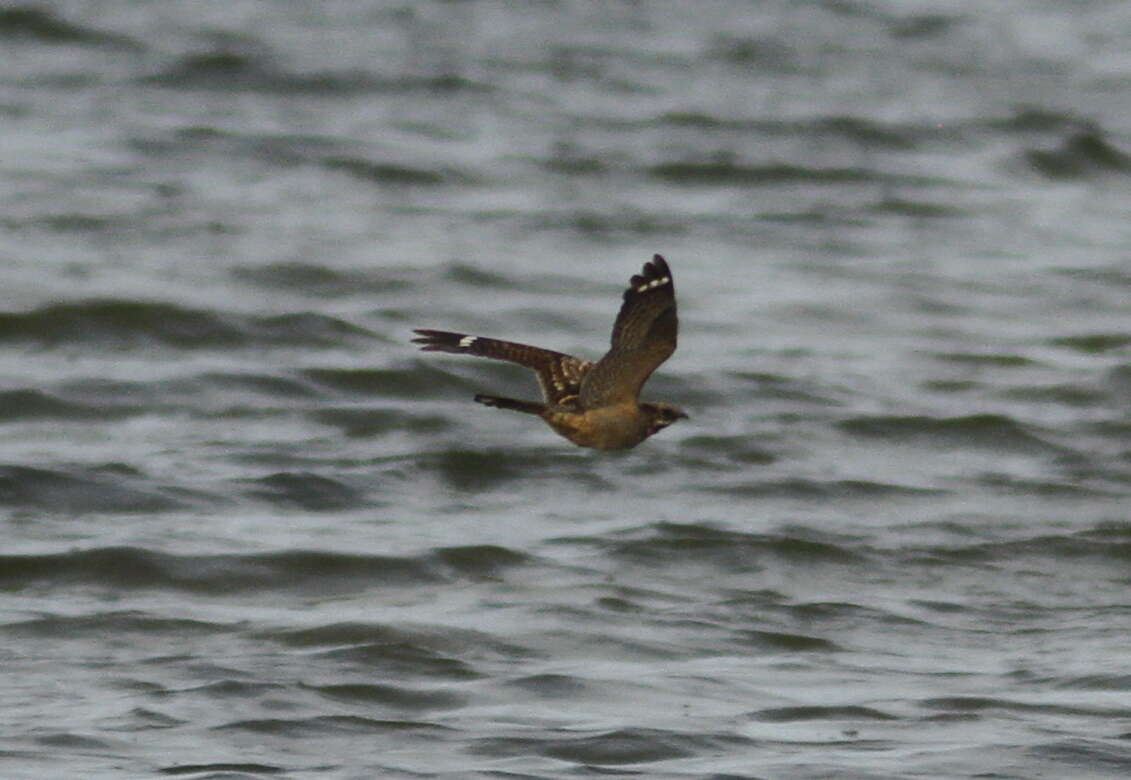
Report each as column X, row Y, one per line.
column 249, row 531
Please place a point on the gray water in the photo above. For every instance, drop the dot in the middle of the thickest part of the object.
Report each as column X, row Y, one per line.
column 249, row 531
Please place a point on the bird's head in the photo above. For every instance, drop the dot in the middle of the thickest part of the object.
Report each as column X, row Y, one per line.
column 660, row 416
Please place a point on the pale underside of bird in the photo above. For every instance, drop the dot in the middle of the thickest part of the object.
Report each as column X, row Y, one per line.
column 593, row 403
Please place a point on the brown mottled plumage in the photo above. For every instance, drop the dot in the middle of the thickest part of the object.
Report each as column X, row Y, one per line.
column 593, row 404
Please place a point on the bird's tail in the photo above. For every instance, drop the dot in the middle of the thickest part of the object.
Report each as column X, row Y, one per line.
column 529, row 407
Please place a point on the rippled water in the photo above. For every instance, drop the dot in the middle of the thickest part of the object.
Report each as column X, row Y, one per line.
column 250, row 531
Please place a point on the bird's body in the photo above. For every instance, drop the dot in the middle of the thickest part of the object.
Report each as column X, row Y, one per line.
column 608, row 427
column 593, row 404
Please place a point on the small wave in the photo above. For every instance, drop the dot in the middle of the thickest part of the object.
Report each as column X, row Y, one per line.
column 421, row 380
column 623, row 746
column 1097, row 682
column 384, row 172
column 391, row 696
column 1091, row 546
column 404, row 661
column 222, row 770
column 480, row 561
column 28, row 404
column 291, row 570
column 143, row 719
column 324, row 725
column 100, row 400
column 551, row 686
column 905, row 207
column 116, row 623
column 967, row 704
column 776, row 387
column 237, row 689
column 231, row 70
column 572, row 163
column 924, row 25
column 1117, row 380
column 197, row 142
column 987, row 360
column 1093, row 343
column 734, row 174
column 766, row 54
column 862, row 132
column 423, row 640
column 778, row 642
column 1086, row 153
column 247, row 67
column 364, row 423
column 843, row 712
column 125, row 323
column 627, row 222
column 1113, row 275
column 475, row 469
column 129, row 568
column 307, row 491
column 737, row 449
column 1087, row 756
column 846, row 489
column 33, row 23
column 76, row 742
column 731, row 549
column 1033, row 119
column 92, row 490
column 831, row 613
column 486, row 469
column 473, row 276
column 1064, row 394
column 303, row 329
column 257, row 384
column 981, row 431
column 321, row 282
column 1046, row 487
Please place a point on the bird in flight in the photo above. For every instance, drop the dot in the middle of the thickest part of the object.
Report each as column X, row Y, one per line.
column 593, row 404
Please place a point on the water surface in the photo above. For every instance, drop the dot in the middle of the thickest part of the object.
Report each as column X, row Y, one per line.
column 249, row 531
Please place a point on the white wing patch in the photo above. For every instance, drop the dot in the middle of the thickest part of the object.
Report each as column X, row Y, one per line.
column 467, row 341
column 652, row 285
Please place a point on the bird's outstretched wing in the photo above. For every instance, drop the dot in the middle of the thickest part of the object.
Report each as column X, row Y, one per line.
column 644, row 336
column 559, row 375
